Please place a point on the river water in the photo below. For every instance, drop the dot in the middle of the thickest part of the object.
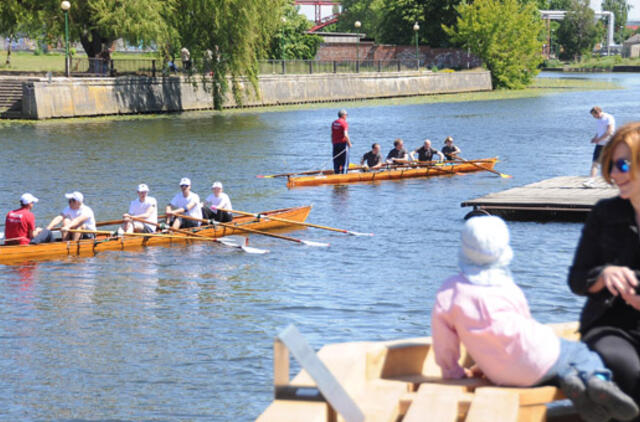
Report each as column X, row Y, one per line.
column 185, row 333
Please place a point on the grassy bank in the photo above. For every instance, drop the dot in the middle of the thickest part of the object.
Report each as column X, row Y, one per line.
column 26, row 61
column 595, row 63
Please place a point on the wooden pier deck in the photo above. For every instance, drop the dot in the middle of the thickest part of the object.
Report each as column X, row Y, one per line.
column 560, row 198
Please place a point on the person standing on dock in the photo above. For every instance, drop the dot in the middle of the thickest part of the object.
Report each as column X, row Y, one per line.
column 20, row 224
column 184, row 202
column 606, row 125
column 341, row 143
column 372, row 159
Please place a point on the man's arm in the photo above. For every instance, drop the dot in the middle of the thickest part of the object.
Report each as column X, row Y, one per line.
column 441, row 155
column 56, row 220
column 413, row 155
column 346, row 136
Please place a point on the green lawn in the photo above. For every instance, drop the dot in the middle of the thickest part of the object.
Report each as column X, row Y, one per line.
column 25, row 61
column 599, row 63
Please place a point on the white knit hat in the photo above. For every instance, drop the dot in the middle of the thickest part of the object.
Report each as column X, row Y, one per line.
column 485, row 253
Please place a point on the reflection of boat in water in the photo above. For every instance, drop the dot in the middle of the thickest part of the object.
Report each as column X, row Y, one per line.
column 400, row 172
column 89, row 247
column 398, row 380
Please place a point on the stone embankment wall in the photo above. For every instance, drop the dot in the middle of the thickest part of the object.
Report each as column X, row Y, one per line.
column 63, row 97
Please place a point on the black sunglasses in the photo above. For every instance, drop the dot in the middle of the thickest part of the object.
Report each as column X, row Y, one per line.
column 184, row 186
column 622, row 165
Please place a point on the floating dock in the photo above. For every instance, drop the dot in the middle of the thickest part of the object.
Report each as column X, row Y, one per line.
column 560, row 198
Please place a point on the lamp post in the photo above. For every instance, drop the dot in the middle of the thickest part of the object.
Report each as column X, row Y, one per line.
column 284, row 22
column 65, row 5
column 416, row 28
column 357, row 25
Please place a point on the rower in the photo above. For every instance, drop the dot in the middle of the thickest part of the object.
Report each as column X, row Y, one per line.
column 218, row 199
column 398, row 155
column 145, row 207
column 76, row 216
column 186, row 202
column 426, row 153
column 449, row 150
column 20, row 224
column 372, row 159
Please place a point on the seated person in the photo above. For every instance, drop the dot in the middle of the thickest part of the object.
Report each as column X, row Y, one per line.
column 398, row 155
column 449, row 150
column 20, row 224
column 76, row 216
column 426, row 153
column 372, row 159
column 216, row 200
column 186, row 202
column 144, row 207
column 482, row 308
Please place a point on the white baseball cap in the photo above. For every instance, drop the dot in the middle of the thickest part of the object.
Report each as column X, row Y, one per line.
column 216, row 185
column 75, row 195
column 185, row 181
column 143, row 188
column 27, row 198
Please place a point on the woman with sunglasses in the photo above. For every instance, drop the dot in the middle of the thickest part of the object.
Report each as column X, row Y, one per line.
column 606, row 265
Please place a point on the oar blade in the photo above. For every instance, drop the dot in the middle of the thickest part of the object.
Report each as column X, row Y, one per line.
column 241, row 243
column 250, row 249
column 315, row 244
column 505, row 176
column 261, row 176
column 352, row 233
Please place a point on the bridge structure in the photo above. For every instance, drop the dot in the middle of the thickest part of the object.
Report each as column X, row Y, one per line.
column 321, row 21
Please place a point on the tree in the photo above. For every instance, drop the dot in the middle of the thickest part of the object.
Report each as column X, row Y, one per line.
column 505, row 34
column 620, row 9
column 291, row 40
column 236, row 32
column 15, row 18
column 578, row 32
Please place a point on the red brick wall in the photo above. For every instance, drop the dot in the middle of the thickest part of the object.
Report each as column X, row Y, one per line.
column 440, row 57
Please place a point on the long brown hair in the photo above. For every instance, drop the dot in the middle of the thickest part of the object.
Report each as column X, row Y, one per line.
column 628, row 134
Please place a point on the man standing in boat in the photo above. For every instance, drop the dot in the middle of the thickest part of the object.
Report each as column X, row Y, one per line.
column 144, row 207
column 186, row 202
column 20, row 224
column 606, row 125
column 398, row 155
column 372, row 159
column 426, row 153
column 341, row 143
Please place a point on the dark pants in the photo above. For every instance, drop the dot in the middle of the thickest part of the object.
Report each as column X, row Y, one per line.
column 340, row 158
column 221, row 216
column 620, row 352
column 184, row 223
column 44, row 236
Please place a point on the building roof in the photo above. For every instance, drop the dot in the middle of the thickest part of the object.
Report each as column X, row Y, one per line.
column 633, row 40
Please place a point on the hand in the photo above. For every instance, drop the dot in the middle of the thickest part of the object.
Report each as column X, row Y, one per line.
column 619, row 280
column 473, row 372
column 632, row 300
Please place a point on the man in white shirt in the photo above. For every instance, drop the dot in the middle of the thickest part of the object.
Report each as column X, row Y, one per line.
column 76, row 216
column 606, row 125
column 144, row 207
column 215, row 201
column 185, row 202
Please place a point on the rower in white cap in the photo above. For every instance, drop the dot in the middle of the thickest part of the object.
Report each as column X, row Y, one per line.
column 218, row 199
column 186, row 202
column 76, row 216
column 144, row 207
column 20, row 224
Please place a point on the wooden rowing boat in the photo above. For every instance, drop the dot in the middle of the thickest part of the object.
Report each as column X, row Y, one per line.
column 391, row 381
column 441, row 169
column 89, row 247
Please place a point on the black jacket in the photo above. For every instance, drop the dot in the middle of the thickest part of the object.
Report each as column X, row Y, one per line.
column 609, row 237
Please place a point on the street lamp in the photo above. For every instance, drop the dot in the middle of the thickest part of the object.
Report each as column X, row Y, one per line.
column 416, row 28
column 65, row 5
column 357, row 25
column 284, row 22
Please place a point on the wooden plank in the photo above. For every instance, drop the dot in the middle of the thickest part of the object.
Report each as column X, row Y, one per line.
column 493, row 404
column 436, row 403
column 324, row 379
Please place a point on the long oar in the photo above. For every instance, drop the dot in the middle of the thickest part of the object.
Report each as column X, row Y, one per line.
column 298, row 223
column 248, row 230
column 227, row 241
column 503, row 175
column 304, row 173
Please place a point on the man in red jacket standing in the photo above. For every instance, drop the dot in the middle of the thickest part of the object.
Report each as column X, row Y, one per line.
column 341, row 143
column 20, row 224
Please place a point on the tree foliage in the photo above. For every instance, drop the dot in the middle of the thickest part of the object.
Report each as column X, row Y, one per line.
column 291, row 40
column 505, row 34
column 15, row 18
column 578, row 31
column 620, row 9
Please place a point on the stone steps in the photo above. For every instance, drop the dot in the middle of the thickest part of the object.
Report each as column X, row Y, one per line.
column 10, row 98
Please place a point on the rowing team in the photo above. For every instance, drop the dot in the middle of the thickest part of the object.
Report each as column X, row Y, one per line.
column 399, row 155
column 20, row 224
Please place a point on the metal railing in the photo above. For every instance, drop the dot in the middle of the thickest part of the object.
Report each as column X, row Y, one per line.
column 97, row 67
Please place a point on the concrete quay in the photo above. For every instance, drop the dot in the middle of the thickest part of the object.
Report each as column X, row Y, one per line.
column 75, row 97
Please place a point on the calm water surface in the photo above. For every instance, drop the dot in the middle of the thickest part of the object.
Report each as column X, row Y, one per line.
column 185, row 333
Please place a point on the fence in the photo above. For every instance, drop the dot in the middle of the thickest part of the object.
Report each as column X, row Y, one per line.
column 151, row 67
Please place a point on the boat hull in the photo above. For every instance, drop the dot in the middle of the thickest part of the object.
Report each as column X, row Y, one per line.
column 89, row 247
column 446, row 169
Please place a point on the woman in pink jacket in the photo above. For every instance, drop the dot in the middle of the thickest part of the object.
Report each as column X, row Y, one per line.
column 482, row 308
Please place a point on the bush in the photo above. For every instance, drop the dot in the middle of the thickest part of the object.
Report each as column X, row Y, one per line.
column 434, row 68
column 37, row 51
column 73, row 51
